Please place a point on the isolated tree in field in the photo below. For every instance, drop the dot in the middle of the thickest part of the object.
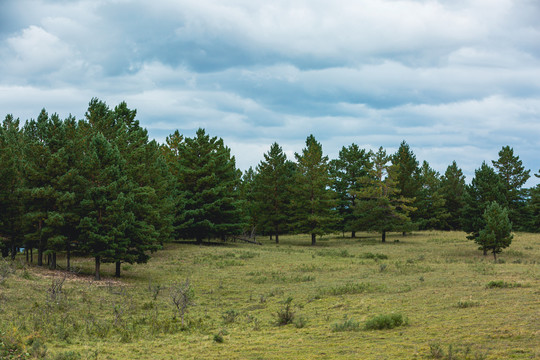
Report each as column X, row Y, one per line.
column 380, row 206
column 431, row 212
column 208, row 182
column 272, row 191
column 497, row 232
column 513, row 175
column 352, row 164
column 313, row 200
column 453, row 189
column 485, row 187
column 407, row 177
column 11, row 184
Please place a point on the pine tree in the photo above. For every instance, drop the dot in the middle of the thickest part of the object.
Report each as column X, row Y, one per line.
column 514, row 176
column 497, row 232
column 352, row 164
column 313, row 200
column 39, row 196
column 380, row 206
column 105, row 219
column 208, row 182
column 431, row 212
column 485, row 188
column 453, row 189
column 407, row 178
column 272, row 191
column 11, row 184
column 148, row 183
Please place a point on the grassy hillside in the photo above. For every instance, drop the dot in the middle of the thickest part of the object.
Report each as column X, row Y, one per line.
column 446, row 300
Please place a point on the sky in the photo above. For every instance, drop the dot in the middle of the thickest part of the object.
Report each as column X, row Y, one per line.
column 455, row 79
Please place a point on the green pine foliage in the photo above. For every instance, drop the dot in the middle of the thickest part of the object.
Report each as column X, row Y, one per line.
column 106, row 202
column 407, row 179
column 453, row 189
column 313, row 201
column 208, row 182
column 497, row 233
column 11, row 184
column 485, row 188
column 352, row 164
column 513, row 175
column 380, row 206
column 272, row 192
column 431, row 212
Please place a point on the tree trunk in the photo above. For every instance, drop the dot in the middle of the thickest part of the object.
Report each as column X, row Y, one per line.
column 485, row 251
column 117, row 272
column 53, row 262
column 40, row 256
column 98, row 265
column 271, row 237
column 40, row 247
column 32, row 255
column 495, row 256
column 384, row 236
column 26, row 253
column 404, row 233
column 5, row 252
column 199, row 240
column 68, row 256
column 13, row 250
column 353, row 234
column 313, row 239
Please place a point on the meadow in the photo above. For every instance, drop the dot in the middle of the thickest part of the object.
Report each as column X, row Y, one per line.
column 428, row 295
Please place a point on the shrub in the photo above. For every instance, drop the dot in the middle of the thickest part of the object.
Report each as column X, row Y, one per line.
column 218, row 338
column 501, row 284
column 346, row 325
column 463, row 304
column 286, row 315
column 382, row 322
column 230, row 316
column 370, row 255
column 350, row 288
column 300, row 322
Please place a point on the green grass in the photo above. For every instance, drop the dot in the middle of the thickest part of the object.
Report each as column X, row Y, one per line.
column 437, row 281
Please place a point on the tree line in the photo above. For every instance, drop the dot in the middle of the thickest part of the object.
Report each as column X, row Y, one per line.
column 100, row 187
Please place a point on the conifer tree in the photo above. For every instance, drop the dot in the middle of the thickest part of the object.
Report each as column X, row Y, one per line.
column 38, row 194
column 380, row 206
column 497, row 232
column 513, row 175
column 105, row 219
column 352, row 164
column 453, row 191
column 314, row 202
column 11, row 184
column 485, row 187
column 431, row 212
column 208, row 182
column 272, row 191
column 407, row 178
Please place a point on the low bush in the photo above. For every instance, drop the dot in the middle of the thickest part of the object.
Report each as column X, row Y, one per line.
column 501, row 284
column 382, row 322
column 346, row 325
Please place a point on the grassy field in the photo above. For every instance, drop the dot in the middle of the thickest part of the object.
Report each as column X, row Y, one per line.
column 449, row 301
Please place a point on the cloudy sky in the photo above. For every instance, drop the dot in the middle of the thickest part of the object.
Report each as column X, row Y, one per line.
column 455, row 79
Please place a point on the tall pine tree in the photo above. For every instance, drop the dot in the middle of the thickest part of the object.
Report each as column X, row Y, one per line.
column 352, row 164
column 313, row 200
column 208, row 182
